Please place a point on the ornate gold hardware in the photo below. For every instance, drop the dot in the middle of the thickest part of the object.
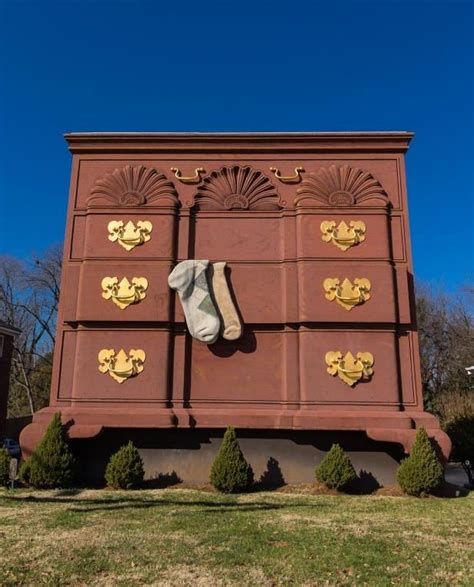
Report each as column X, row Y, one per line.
column 350, row 369
column 129, row 236
column 119, row 366
column 124, row 293
column 343, row 236
column 296, row 178
column 347, row 294
column 196, row 178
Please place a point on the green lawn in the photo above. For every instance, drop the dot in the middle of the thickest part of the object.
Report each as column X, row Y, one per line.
column 188, row 537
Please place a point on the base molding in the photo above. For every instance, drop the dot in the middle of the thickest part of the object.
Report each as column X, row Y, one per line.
column 383, row 426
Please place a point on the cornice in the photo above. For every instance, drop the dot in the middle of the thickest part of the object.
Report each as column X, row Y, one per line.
column 265, row 142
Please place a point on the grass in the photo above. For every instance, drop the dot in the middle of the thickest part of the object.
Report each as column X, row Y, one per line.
column 184, row 537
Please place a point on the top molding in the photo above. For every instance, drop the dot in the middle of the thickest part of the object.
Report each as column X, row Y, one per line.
column 265, row 142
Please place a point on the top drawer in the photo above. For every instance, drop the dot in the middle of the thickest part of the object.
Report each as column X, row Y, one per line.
column 124, row 234
column 348, row 234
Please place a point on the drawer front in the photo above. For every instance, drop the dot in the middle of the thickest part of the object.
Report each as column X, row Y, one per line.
column 352, row 235
column 239, row 238
column 249, row 371
column 257, row 291
column 151, row 385
column 127, row 292
column 129, row 236
column 320, row 387
column 346, row 292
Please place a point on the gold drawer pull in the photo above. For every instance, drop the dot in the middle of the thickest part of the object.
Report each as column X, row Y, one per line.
column 350, row 369
column 129, row 236
column 347, row 294
column 124, row 293
column 196, row 178
column 120, row 366
column 296, row 178
column 342, row 235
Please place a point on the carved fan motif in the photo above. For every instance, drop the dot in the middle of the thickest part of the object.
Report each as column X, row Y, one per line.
column 236, row 187
column 133, row 186
column 341, row 186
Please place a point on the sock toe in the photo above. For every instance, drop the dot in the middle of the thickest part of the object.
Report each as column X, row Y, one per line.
column 232, row 332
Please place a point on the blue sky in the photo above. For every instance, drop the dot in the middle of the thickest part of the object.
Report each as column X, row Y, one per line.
column 80, row 65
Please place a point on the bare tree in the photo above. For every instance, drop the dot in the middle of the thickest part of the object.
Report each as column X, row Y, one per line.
column 446, row 329
column 29, row 297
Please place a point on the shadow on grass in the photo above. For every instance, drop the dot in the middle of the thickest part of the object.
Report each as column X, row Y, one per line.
column 162, row 481
column 121, row 503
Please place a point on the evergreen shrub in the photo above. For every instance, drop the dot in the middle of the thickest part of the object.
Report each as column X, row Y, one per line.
column 4, row 467
column 52, row 465
column 230, row 472
column 24, row 472
column 125, row 468
column 422, row 471
column 336, row 470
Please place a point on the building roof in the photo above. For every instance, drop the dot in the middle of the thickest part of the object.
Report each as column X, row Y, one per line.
column 8, row 329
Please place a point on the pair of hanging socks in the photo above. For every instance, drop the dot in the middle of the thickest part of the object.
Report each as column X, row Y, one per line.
column 189, row 279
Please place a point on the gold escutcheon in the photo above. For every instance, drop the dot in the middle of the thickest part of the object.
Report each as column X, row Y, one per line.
column 123, row 293
column 348, row 368
column 347, row 294
column 120, row 366
column 128, row 235
column 342, row 235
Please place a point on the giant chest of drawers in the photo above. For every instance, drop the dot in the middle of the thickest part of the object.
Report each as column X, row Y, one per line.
column 314, row 230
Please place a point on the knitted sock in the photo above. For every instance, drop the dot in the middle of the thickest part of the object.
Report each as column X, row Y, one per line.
column 189, row 279
column 231, row 327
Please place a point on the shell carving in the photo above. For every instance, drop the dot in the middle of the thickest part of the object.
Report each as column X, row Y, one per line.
column 237, row 188
column 133, row 186
column 341, row 186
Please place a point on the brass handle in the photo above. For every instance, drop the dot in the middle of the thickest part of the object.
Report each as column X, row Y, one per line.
column 345, row 241
column 354, row 299
column 128, row 235
column 296, row 178
column 343, row 236
column 196, row 178
column 124, row 293
column 125, row 373
column 361, row 365
column 347, row 294
column 124, row 299
column 351, row 371
column 120, row 366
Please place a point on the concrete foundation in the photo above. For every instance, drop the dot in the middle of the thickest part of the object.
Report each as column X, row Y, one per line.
column 277, row 457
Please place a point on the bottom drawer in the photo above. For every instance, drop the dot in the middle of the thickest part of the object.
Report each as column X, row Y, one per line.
column 270, row 368
column 368, row 375
column 140, row 374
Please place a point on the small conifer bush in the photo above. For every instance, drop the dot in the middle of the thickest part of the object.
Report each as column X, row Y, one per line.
column 230, row 472
column 52, row 465
column 125, row 468
column 336, row 470
column 4, row 467
column 24, row 472
column 422, row 471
